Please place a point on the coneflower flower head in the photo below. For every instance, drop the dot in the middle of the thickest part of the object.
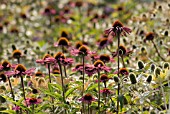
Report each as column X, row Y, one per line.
column 16, row 54
column 88, row 98
column 5, row 65
column 118, row 28
column 32, row 101
column 63, row 41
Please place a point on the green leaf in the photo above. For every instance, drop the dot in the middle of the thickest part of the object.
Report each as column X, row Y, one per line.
column 121, row 100
column 8, row 112
column 57, row 86
column 50, row 87
column 52, row 94
column 91, row 87
column 70, row 91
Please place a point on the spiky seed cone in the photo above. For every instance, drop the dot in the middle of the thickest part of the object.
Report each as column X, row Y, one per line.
column 133, row 78
column 140, row 64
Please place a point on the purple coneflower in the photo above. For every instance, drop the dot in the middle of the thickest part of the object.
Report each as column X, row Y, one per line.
column 88, row 98
column 32, row 101
column 118, row 28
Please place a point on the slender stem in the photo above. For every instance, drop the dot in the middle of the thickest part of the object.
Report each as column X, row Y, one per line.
column 109, row 49
column 99, row 91
column 123, row 62
column 49, row 89
column 105, row 96
column 33, row 108
column 18, row 60
column 49, row 73
column 22, row 84
column 88, row 108
column 164, row 96
column 62, row 82
column 11, row 89
column 157, row 50
column 83, row 83
column 118, row 37
column 64, row 66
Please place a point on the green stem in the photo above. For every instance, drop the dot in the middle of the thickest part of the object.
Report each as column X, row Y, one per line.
column 157, row 50
column 22, row 85
column 11, row 89
column 83, row 83
column 32, row 108
column 49, row 89
column 99, row 91
column 123, row 62
column 88, row 108
column 62, row 82
column 64, row 66
column 164, row 96
column 118, row 37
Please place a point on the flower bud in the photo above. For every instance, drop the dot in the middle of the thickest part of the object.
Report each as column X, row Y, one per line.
column 149, row 79
column 132, row 78
column 140, row 64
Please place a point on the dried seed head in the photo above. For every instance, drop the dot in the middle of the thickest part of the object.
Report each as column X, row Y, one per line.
column 152, row 67
column 132, row 77
column 140, row 64
column 157, row 71
column 149, row 79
